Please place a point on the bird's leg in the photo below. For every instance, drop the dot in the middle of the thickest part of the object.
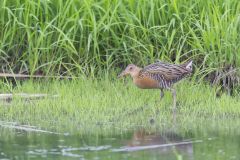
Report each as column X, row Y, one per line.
column 161, row 97
column 161, row 94
column 174, row 100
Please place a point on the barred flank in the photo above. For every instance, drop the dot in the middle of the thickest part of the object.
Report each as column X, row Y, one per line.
column 165, row 73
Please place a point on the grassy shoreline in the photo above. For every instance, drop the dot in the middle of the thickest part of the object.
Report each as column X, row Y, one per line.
column 86, row 104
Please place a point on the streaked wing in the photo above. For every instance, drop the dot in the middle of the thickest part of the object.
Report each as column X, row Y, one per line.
column 169, row 71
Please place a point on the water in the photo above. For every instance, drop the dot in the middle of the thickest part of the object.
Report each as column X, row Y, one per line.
column 136, row 144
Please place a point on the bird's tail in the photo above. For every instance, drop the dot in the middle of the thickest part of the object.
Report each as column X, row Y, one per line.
column 188, row 65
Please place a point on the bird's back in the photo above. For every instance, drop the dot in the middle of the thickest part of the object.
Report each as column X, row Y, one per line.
column 167, row 73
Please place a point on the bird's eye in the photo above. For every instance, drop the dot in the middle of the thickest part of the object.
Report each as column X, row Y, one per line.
column 130, row 68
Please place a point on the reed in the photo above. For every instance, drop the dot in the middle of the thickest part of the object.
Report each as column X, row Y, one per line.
column 76, row 37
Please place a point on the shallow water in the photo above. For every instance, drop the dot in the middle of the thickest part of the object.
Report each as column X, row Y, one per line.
column 21, row 143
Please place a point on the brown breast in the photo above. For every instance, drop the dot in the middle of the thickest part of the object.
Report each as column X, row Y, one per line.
column 145, row 82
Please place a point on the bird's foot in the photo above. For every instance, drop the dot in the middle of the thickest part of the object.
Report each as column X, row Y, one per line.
column 157, row 112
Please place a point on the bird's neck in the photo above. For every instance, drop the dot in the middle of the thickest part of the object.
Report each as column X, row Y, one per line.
column 136, row 74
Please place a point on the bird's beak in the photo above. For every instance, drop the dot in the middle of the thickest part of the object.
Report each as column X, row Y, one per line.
column 124, row 73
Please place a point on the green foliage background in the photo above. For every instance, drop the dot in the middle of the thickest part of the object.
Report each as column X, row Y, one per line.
column 76, row 37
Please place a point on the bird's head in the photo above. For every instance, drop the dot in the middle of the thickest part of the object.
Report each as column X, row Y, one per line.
column 131, row 69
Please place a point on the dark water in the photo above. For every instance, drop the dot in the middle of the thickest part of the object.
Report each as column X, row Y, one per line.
column 134, row 144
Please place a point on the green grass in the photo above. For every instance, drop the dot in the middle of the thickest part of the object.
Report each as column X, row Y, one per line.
column 77, row 37
column 94, row 39
column 88, row 105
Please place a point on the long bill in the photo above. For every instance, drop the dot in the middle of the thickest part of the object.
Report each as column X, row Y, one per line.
column 122, row 74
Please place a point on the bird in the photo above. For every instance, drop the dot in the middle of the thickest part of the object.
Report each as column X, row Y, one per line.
column 159, row 75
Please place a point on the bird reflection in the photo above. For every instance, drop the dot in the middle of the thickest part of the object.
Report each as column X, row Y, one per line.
column 168, row 142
